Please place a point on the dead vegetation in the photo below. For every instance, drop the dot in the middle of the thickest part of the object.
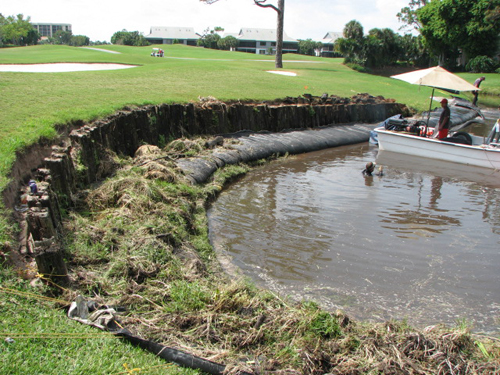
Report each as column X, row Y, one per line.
column 141, row 243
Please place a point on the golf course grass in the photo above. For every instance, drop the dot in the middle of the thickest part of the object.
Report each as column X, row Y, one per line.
column 44, row 341
column 32, row 103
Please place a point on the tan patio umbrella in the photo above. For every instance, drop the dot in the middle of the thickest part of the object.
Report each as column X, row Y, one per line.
column 437, row 78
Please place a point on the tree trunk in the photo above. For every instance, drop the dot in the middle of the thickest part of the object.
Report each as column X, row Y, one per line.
column 279, row 33
column 280, row 9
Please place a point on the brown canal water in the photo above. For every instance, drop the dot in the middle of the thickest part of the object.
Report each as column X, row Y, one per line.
column 421, row 242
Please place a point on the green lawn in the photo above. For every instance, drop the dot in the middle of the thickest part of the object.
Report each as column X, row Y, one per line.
column 33, row 102
column 46, row 342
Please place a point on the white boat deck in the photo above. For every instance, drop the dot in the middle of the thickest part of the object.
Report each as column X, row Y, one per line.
column 478, row 154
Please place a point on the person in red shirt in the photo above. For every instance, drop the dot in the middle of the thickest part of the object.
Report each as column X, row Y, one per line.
column 443, row 126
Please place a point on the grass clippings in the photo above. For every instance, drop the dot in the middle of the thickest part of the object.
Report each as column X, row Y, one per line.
column 141, row 243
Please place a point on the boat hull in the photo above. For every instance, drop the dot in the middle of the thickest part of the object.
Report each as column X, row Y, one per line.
column 476, row 155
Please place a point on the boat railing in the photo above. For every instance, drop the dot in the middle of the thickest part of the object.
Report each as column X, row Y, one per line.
column 494, row 136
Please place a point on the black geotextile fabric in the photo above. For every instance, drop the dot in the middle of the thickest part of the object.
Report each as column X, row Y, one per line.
column 255, row 146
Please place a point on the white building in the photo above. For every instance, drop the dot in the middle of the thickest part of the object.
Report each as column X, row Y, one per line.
column 328, row 42
column 263, row 41
column 47, row 30
column 171, row 35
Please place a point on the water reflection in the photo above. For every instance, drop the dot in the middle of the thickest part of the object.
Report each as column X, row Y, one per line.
column 419, row 220
column 420, row 242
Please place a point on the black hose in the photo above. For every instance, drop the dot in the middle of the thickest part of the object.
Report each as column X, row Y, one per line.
column 176, row 356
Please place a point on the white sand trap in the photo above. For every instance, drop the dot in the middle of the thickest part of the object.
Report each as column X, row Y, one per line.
column 60, row 67
column 292, row 74
column 102, row 50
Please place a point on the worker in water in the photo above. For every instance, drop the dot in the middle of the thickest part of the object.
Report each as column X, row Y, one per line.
column 369, row 168
column 441, row 130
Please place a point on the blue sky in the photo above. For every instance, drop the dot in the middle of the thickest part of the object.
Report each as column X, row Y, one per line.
column 99, row 19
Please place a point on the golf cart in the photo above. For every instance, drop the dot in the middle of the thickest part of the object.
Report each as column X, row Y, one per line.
column 157, row 52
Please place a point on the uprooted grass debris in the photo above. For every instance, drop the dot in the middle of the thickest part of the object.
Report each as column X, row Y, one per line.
column 141, row 242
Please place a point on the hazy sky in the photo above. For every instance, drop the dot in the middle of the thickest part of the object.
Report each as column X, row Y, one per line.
column 100, row 19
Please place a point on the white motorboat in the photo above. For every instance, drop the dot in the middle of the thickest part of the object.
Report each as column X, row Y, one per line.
column 460, row 147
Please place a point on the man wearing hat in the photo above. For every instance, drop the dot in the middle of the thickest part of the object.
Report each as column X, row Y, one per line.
column 443, row 125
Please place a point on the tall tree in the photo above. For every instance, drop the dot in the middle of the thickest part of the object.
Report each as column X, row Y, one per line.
column 229, row 42
column 381, row 48
column 280, row 10
column 353, row 30
column 209, row 39
column 470, row 26
column 412, row 50
column 17, row 30
column 351, row 46
column 408, row 15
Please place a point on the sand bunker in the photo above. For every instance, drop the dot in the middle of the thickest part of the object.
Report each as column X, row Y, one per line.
column 102, row 50
column 292, row 74
column 60, row 67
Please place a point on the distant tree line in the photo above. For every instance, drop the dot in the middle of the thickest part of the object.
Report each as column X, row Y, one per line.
column 469, row 29
column 380, row 48
column 67, row 38
column 456, row 34
column 309, row 47
column 211, row 39
column 18, row 31
column 129, row 38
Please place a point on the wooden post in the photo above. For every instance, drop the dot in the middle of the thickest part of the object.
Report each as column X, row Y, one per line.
column 50, row 262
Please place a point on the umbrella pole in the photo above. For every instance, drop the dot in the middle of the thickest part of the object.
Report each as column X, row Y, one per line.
column 429, row 113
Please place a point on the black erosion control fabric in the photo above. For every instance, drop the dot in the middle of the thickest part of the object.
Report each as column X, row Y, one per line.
column 253, row 146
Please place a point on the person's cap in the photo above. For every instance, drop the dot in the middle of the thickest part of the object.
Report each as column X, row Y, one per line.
column 444, row 101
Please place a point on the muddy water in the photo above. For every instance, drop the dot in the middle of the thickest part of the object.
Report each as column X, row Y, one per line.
column 421, row 242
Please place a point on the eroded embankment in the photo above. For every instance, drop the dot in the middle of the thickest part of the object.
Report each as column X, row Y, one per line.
column 89, row 144
column 139, row 240
column 84, row 154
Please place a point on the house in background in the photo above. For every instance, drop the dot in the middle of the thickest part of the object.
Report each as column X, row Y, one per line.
column 171, row 35
column 263, row 41
column 328, row 42
column 47, row 30
column 251, row 40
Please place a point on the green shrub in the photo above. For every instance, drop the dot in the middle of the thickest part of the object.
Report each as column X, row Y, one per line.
column 482, row 64
column 358, row 67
